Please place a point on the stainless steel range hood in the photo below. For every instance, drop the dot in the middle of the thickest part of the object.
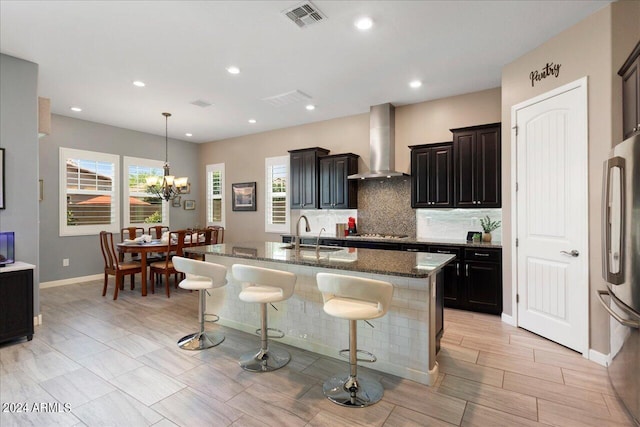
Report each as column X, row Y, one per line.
column 382, row 144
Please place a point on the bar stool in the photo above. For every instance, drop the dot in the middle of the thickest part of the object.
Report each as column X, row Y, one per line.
column 200, row 276
column 354, row 298
column 264, row 286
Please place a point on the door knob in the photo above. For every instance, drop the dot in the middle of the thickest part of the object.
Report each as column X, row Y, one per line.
column 574, row 253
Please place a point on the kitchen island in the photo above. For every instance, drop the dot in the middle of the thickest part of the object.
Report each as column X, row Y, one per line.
column 404, row 340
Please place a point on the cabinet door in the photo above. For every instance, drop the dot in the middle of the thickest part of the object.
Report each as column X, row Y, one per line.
column 483, row 282
column 16, row 304
column 631, row 100
column 340, row 183
column 488, row 167
column 464, row 144
column 296, row 180
column 440, row 177
column 452, row 289
column 309, row 180
column 327, row 183
column 420, row 161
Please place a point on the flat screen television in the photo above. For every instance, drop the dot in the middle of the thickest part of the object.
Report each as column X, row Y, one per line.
column 7, row 256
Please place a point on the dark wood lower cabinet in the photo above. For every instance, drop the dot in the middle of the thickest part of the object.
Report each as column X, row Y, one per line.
column 484, row 287
column 16, row 304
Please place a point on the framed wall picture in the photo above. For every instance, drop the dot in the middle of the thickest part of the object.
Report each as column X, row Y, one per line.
column 177, row 202
column 2, row 206
column 189, row 205
column 243, row 196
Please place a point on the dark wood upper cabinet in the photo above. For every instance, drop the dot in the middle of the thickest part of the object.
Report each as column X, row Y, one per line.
column 630, row 73
column 304, row 177
column 477, row 168
column 432, row 175
column 336, row 190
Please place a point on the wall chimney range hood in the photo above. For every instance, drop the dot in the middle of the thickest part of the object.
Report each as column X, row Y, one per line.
column 382, row 144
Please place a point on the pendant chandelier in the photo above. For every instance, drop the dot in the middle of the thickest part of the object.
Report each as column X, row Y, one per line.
column 168, row 187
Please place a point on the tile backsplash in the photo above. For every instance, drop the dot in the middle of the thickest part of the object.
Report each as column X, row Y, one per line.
column 454, row 223
column 322, row 218
column 384, row 206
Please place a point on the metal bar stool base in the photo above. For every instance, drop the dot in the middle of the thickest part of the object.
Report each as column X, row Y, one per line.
column 264, row 361
column 368, row 391
column 200, row 340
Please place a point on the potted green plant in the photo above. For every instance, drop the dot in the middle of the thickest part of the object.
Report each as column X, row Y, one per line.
column 487, row 227
column 476, row 237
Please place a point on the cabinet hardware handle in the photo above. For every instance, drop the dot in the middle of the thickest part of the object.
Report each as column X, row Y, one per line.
column 458, row 269
column 477, row 254
column 412, row 250
column 443, row 252
column 466, row 268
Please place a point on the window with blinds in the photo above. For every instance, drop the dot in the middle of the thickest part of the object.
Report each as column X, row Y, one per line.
column 88, row 192
column 215, row 194
column 277, row 194
column 141, row 207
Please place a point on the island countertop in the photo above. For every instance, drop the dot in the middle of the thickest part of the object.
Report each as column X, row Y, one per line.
column 375, row 261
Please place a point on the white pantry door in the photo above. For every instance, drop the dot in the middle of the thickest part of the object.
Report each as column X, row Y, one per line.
column 551, row 219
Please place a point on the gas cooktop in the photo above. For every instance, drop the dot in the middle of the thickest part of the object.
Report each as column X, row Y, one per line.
column 377, row 236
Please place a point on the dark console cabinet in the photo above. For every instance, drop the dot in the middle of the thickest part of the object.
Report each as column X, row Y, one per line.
column 16, row 304
column 477, row 166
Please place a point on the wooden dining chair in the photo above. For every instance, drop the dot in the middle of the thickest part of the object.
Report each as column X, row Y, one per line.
column 205, row 237
column 113, row 267
column 218, row 234
column 165, row 268
column 156, row 231
column 130, row 233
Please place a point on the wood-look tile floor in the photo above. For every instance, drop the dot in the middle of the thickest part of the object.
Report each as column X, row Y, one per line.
column 116, row 363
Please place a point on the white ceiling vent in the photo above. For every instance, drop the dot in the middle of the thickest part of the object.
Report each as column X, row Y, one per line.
column 287, row 98
column 304, row 14
column 202, row 103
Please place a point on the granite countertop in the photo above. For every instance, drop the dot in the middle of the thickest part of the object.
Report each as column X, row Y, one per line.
column 375, row 261
column 412, row 240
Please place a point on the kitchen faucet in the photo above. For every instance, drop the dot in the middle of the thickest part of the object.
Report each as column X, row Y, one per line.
column 318, row 241
column 297, row 236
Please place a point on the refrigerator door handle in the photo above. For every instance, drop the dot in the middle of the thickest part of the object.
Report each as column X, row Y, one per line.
column 625, row 322
column 614, row 220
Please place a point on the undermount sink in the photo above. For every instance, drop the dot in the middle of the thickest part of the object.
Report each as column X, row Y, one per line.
column 313, row 248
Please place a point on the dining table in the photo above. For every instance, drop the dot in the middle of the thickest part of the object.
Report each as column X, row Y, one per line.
column 144, row 248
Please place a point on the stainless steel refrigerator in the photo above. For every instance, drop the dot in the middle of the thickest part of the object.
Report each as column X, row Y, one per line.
column 621, row 269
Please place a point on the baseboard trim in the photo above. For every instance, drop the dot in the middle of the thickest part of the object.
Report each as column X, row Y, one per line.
column 37, row 320
column 509, row 320
column 70, row 281
column 599, row 358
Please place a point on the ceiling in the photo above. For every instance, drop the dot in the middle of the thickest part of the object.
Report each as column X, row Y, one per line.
column 89, row 53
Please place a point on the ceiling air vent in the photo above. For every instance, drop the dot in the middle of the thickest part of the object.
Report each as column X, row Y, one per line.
column 202, row 103
column 304, row 14
column 287, row 98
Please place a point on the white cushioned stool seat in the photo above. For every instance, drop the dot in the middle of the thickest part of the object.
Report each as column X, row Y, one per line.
column 200, row 276
column 264, row 286
column 354, row 298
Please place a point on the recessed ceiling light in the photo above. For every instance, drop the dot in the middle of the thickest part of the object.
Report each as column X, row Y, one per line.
column 364, row 23
column 415, row 84
column 76, row 109
column 139, row 83
column 233, row 70
column 252, row 121
column 310, row 107
column 188, row 134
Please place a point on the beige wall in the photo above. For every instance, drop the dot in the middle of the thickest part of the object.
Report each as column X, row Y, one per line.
column 422, row 123
column 583, row 50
